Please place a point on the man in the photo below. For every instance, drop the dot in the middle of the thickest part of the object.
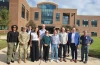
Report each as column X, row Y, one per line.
column 74, row 40
column 12, row 40
column 23, row 42
column 68, row 47
column 54, row 46
column 86, row 42
column 42, row 33
column 63, row 41
column 29, row 30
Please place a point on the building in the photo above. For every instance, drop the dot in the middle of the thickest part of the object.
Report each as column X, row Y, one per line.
column 50, row 14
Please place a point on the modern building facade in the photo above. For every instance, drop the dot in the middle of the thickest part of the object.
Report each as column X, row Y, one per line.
column 51, row 15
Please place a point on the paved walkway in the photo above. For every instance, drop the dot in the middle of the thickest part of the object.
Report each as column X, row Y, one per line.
column 92, row 61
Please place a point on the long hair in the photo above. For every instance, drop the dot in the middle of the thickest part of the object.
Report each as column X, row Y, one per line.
column 38, row 33
column 13, row 27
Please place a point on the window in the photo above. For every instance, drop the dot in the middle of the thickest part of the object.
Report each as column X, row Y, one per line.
column 78, row 22
column 85, row 23
column 27, row 15
column 57, row 16
column 4, row 0
column 94, row 23
column 36, row 17
column 65, row 18
column 93, row 33
column 23, row 11
column 3, row 27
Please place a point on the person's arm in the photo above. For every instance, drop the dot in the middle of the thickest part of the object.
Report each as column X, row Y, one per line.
column 20, row 39
column 78, row 39
column 91, row 40
column 66, row 38
column 8, row 36
column 28, row 37
column 43, row 40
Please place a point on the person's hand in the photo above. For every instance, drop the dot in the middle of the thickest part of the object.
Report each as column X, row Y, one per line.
column 88, row 44
column 30, row 44
column 77, row 46
column 45, row 45
column 58, row 46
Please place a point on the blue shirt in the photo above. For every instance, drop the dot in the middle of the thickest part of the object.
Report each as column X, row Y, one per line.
column 86, row 40
column 55, row 39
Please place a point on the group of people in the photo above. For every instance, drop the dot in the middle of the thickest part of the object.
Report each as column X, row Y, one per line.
column 60, row 43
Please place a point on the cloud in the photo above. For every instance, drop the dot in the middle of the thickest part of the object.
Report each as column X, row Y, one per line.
column 84, row 7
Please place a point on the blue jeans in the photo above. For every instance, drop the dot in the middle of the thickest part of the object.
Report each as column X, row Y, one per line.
column 84, row 50
column 54, row 51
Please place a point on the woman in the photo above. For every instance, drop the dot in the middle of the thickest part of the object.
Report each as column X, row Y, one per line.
column 46, row 44
column 23, row 41
column 35, row 38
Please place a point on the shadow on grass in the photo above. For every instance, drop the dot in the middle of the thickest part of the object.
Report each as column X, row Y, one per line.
column 94, row 53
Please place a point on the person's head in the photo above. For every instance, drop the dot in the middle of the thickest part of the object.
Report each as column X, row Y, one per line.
column 24, row 29
column 36, row 29
column 55, row 32
column 73, row 29
column 62, row 29
column 14, row 27
column 43, row 26
column 67, row 30
column 30, row 28
column 85, row 32
column 46, row 32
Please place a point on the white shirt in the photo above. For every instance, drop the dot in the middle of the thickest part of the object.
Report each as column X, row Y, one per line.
column 63, row 37
column 73, row 38
column 29, row 32
column 42, row 33
column 34, row 36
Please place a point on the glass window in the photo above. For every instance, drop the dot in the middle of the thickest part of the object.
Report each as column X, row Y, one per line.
column 78, row 22
column 27, row 15
column 36, row 17
column 93, row 33
column 23, row 11
column 94, row 23
column 47, row 6
column 3, row 27
column 65, row 19
column 85, row 23
column 57, row 16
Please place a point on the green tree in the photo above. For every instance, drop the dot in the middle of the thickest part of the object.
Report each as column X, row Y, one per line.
column 31, row 23
column 4, row 17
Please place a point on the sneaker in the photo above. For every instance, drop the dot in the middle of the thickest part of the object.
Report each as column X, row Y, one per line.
column 8, row 63
column 12, row 61
column 57, row 61
column 51, row 60
column 85, row 62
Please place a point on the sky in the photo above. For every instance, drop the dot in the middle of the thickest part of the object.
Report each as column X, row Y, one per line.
column 84, row 7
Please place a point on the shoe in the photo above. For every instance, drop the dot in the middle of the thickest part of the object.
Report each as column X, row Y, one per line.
column 71, row 60
column 60, row 60
column 64, row 60
column 12, row 61
column 51, row 60
column 75, row 61
column 85, row 62
column 57, row 61
column 8, row 63
column 81, row 60
column 25, row 60
column 19, row 61
column 46, row 61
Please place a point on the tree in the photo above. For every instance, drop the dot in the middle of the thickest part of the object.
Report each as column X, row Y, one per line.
column 31, row 23
column 4, row 16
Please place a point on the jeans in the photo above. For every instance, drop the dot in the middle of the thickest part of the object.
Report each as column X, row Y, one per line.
column 54, row 51
column 64, row 50
column 84, row 50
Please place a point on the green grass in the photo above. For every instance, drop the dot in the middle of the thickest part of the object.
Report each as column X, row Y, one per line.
column 95, row 48
column 3, row 44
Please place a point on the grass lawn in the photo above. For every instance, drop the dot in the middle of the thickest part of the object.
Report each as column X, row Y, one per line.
column 95, row 48
column 3, row 44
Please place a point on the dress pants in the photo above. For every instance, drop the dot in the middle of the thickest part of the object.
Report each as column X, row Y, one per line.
column 73, row 50
column 34, row 51
column 45, row 52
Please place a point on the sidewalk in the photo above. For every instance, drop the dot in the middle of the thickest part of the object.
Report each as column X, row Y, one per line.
column 92, row 61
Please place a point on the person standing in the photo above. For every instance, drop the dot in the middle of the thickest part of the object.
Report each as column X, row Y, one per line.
column 29, row 30
column 46, row 45
column 42, row 33
column 68, row 46
column 86, row 42
column 54, row 46
column 23, row 42
column 12, row 40
column 74, row 41
column 35, row 38
column 63, row 41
